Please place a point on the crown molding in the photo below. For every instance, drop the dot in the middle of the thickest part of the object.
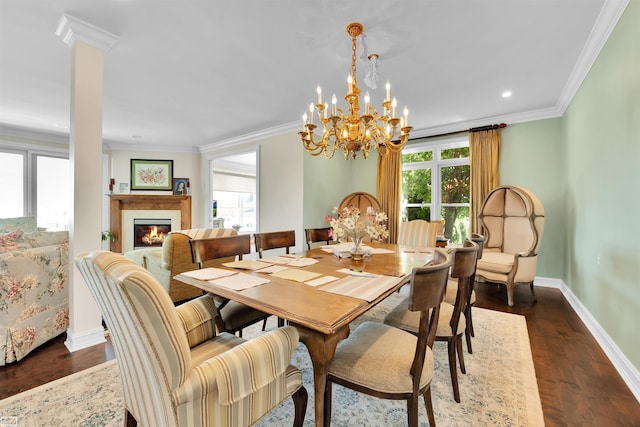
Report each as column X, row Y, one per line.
column 33, row 134
column 125, row 146
column 71, row 29
column 607, row 20
column 250, row 137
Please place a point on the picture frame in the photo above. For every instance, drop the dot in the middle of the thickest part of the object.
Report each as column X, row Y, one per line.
column 180, row 186
column 123, row 188
column 151, row 174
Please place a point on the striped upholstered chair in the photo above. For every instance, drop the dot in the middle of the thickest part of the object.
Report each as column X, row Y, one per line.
column 175, row 369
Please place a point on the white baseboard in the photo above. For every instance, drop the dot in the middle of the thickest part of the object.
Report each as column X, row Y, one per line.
column 625, row 368
column 85, row 339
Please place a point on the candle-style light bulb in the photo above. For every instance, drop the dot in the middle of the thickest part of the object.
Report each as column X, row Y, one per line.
column 334, row 100
column 326, row 108
column 349, row 85
column 319, row 91
column 311, row 113
column 304, row 121
column 388, row 87
column 367, row 98
column 394, row 103
column 406, row 116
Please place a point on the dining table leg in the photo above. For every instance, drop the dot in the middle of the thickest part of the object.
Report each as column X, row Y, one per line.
column 322, row 348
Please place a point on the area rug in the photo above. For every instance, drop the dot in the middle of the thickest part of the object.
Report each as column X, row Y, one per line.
column 499, row 389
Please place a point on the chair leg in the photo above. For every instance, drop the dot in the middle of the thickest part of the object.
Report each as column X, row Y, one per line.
column 264, row 324
column 300, row 398
column 327, row 403
column 460, row 354
column 429, row 404
column 412, row 410
column 129, row 420
column 535, row 298
column 468, row 331
column 451, row 343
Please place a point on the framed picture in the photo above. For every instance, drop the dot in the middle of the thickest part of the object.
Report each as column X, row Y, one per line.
column 123, row 188
column 181, row 186
column 151, row 174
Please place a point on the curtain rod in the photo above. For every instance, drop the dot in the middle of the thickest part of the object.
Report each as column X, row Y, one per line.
column 478, row 129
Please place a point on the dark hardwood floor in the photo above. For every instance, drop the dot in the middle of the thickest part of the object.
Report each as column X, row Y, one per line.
column 578, row 384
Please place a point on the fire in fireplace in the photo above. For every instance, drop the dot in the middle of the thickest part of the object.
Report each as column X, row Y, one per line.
column 150, row 232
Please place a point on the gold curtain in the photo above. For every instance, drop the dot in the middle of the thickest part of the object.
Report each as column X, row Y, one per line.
column 388, row 188
column 484, row 152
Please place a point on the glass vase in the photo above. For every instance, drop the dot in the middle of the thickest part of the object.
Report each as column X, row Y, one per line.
column 357, row 255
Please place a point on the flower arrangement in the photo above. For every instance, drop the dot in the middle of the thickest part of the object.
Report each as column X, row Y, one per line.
column 352, row 224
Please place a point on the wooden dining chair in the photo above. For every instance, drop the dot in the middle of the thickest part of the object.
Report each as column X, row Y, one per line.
column 316, row 235
column 232, row 316
column 452, row 291
column 389, row 363
column 274, row 240
column 452, row 323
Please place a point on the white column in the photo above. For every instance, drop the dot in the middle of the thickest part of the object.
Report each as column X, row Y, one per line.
column 88, row 44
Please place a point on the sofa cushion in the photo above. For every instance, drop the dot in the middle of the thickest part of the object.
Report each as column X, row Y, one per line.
column 496, row 262
column 37, row 239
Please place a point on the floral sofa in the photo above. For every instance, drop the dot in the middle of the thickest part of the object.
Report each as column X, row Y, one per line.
column 34, row 294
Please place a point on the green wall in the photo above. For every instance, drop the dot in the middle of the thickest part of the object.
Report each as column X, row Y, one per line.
column 328, row 181
column 531, row 156
column 601, row 134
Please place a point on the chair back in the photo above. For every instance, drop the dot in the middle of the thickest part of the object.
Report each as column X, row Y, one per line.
column 463, row 269
column 427, row 289
column 417, row 232
column 317, row 235
column 479, row 240
column 360, row 200
column 274, row 240
column 203, row 250
column 439, row 223
column 148, row 337
column 513, row 220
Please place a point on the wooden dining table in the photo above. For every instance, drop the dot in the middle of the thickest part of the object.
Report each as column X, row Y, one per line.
column 322, row 317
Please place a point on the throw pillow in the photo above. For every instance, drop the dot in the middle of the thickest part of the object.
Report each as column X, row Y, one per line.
column 24, row 223
column 10, row 241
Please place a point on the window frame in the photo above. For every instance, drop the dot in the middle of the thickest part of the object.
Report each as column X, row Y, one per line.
column 436, row 165
column 30, row 154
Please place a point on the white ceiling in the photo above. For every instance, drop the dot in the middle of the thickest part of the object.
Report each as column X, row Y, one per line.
column 197, row 73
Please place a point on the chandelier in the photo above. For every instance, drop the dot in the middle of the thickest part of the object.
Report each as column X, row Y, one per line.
column 350, row 131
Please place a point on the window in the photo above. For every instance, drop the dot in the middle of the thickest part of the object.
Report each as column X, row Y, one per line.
column 35, row 184
column 435, row 185
column 234, row 187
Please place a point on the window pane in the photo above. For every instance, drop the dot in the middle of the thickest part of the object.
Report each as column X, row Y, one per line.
column 237, row 209
column 454, row 153
column 12, row 188
column 456, row 223
column 455, row 184
column 424, row 156
column 418, row 213
column 53, row 192
column 416, row 186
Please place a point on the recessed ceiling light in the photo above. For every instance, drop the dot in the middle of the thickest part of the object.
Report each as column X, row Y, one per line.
column 136, row 136
column 506, row 94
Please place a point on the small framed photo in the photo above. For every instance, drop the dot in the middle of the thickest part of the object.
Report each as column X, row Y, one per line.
column 181, row 186
column 123, row 188
column 151, row 174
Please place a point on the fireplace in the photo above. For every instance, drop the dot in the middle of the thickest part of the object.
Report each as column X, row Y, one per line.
column 150, row 232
